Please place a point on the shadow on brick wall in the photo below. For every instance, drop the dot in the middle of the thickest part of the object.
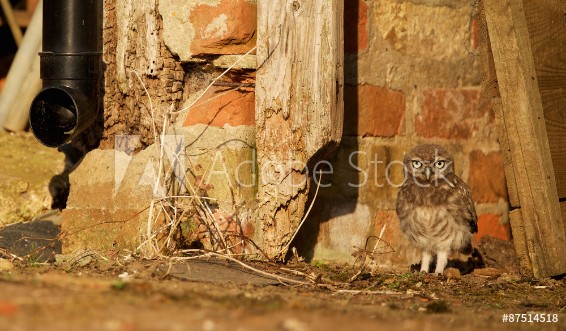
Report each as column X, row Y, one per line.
column 341, row 197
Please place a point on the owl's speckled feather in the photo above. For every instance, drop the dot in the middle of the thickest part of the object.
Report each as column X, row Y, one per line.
column 434, row 206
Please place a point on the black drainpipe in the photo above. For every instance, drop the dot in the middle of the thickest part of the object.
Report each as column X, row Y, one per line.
column 71, row 68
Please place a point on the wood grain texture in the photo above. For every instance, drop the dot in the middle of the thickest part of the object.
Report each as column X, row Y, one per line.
column 506, row 154
column 490, row 90
column 526, row 131
column 557, row 141
column 299, row 106
column 18, row 117
column 489, row 85
column 137, row 59
column 520, row 242
column 554, row 104
column 547, row 30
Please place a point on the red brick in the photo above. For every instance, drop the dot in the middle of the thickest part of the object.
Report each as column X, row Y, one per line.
column 380, row 111
column 355, row 26
column 453, row 113
column 490, row 225
column 475, row 34
column 227, row 28
column 234, row 108
column 487, row 177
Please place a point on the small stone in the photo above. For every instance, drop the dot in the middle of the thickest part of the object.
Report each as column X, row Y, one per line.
column 61, row 259
column 79, row 259
column 6, row 265
column 389, row 281
column 125, row 276
column 22, row 187
column 292, row 324
column 208, row 325
column 452, row 273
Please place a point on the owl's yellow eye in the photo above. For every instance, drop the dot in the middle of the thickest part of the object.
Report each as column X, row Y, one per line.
column 440, row 164
column 417, row 164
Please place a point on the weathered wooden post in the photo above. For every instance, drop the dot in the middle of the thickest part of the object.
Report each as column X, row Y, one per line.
column 527, row 38
column 299, row 106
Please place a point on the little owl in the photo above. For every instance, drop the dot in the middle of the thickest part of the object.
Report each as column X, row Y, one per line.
column 434, row 206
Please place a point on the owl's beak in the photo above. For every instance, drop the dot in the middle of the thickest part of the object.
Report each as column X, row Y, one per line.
column 428, row 172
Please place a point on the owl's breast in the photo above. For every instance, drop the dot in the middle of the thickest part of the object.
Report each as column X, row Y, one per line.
column 433, row 228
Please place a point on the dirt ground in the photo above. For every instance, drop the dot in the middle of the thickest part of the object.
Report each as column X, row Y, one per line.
column 91, row 292
column 130, row 294
column 26, row 167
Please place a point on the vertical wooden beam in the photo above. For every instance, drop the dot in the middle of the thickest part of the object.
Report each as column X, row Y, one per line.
column 299, row 106
column 547, row 31
column 520, row 242
column 540, row 214
column 490, row 90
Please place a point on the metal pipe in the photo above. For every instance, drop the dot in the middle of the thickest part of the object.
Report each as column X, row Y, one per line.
column 71, row 68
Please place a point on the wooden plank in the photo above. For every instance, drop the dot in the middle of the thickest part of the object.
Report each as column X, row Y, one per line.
column 299, row 106
column 18, row 117
column 506, row 154
column 547, row 31
column 490, row 89
column 528, row 142
column 489, row 85
column 554, row 104
column 557, row 142
column 520, row 242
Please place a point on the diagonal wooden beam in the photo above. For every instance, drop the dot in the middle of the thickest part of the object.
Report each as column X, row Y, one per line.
column 523, row 118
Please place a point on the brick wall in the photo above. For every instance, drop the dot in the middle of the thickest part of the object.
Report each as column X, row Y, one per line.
column 412, row 75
